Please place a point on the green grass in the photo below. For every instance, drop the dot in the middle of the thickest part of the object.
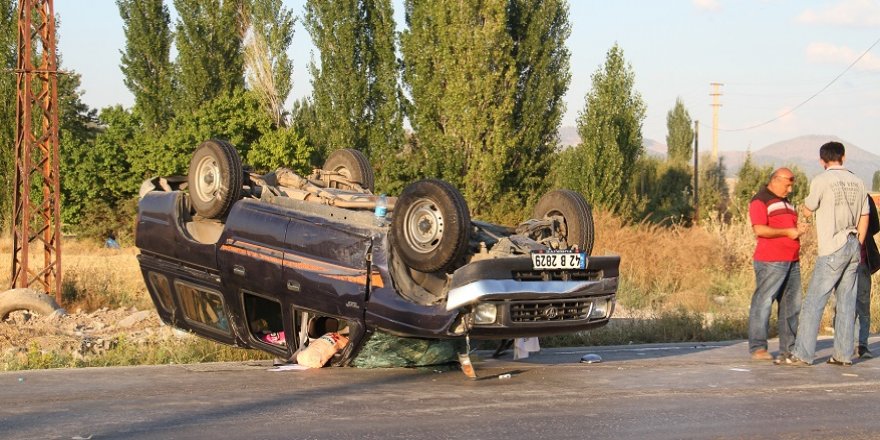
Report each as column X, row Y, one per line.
column 124, row 353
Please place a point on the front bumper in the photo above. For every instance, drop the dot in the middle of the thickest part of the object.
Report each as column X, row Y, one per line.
column 534, row 303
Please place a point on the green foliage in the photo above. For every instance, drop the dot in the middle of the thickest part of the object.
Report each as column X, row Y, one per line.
column 284, row 147
column 666, row 190
column 750, row 179
column 461, row 112
column 486, row 82
column 146, row 61
column 539, row 31
column 356, row 99
column 680, row 133
column 268, row 67
column 610, row 126
column 875, row 181
column 209, row 61
column 237, row 117
column 714, row 192
column 8, row 45
column 98, row 171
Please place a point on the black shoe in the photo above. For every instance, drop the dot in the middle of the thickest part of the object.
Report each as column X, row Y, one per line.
column 833, row 361
column 864, row 353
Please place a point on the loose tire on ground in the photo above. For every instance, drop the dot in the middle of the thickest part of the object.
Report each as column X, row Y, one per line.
column 431, row 226
column 28, row 299
column 353, row 165
column 577, row 227
column 215, row 178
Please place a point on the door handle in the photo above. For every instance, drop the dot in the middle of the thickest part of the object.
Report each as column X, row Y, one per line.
column 238, row 270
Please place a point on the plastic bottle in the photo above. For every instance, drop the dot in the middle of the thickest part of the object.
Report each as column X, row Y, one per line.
column 381, row 210
column 321, row 350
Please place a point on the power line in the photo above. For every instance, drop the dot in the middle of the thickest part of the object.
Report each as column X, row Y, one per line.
column 791, row 110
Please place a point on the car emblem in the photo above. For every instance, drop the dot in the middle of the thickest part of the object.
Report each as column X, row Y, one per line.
column 550, row 312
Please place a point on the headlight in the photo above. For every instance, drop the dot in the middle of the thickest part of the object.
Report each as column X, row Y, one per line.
column 600, row 309
column 485, row 313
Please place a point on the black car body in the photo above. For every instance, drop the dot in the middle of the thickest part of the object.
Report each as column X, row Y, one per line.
column 296, row 268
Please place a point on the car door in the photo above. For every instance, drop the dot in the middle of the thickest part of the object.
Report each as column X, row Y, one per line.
column 251, row 259
column 325, row 265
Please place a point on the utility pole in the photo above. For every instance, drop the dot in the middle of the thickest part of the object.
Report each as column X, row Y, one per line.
column 696, row 172
column 36, row 214
column 716, row 104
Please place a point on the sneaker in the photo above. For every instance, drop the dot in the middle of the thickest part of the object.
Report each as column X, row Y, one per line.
column 761, row 355
column 864, row 353
column 794, row 361
column 782, row 358
column 833, row 361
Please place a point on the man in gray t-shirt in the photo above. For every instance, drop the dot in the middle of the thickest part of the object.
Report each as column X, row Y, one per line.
column 839, row 201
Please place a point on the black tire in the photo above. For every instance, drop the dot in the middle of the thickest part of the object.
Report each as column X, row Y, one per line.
column 353, row 165
column 577, row 228
column 431, row 226
column 28, row 299
column 215, row 178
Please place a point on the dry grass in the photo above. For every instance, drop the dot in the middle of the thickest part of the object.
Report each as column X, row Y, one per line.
column 92, row 276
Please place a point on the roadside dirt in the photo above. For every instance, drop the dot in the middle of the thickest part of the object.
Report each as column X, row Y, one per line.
column 78, row 333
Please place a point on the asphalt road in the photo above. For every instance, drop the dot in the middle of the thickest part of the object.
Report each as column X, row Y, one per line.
column 666, row 391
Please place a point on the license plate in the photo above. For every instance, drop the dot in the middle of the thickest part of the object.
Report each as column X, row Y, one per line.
column 558, row 260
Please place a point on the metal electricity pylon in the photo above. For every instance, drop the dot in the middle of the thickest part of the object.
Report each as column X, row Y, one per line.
column 37, row 185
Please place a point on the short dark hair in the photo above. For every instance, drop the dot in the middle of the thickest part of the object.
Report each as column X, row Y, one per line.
column 832, row 152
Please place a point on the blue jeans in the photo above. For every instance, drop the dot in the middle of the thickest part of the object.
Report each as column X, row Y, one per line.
column 863, row 304
column 779, row 281
column 835, row 272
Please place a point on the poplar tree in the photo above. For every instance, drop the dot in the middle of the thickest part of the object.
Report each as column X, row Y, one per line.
column 610, row 126
column 355, row 95
column 269, row 69
column 460, row 73
column 680, row 134
column 146, row 63
column 539, row 31
column 8, row 48
column 209, row 61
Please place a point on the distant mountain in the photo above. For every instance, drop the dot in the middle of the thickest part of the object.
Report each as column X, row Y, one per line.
column 803, row 152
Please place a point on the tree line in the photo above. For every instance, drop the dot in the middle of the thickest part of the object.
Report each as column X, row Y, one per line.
column 470, row 92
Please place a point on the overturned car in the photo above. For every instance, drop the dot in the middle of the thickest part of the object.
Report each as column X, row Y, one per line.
column 274, row 261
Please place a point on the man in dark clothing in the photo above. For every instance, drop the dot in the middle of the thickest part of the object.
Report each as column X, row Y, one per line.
column 777, row 266
column 869, row 263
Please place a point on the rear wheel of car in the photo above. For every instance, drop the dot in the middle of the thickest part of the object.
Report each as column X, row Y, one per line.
column 30, row 300
column 353, row 165
column 215, row 178
column 577, row 217
column 431, row 226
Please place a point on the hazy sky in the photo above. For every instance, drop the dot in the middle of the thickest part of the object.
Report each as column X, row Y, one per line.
column 771, row 56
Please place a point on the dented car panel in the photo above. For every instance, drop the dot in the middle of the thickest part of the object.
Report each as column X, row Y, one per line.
column 275, row 261
column 299, row 257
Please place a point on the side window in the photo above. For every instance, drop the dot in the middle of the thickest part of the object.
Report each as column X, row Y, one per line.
column 202, row 306
column 162, row 289
column 264, row 319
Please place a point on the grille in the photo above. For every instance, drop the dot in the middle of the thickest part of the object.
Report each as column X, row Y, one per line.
column 557, row 275
column 551, row 310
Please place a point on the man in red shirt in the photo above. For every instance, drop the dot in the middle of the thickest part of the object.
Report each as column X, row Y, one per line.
column 777, row 266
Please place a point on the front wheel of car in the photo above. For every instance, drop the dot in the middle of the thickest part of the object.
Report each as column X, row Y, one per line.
column 353, row 165
column 431, row 226
column 576, row 225
column 215, row 178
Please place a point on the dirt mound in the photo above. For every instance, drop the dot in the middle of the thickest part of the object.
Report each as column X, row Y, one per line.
column 79, row 333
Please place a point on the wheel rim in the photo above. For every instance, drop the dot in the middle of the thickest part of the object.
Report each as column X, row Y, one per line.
column 208, row 182
column 424, row 226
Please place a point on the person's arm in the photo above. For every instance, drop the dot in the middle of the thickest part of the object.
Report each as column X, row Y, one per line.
column 807, row 212
column 765, row 231
column 863, row 228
